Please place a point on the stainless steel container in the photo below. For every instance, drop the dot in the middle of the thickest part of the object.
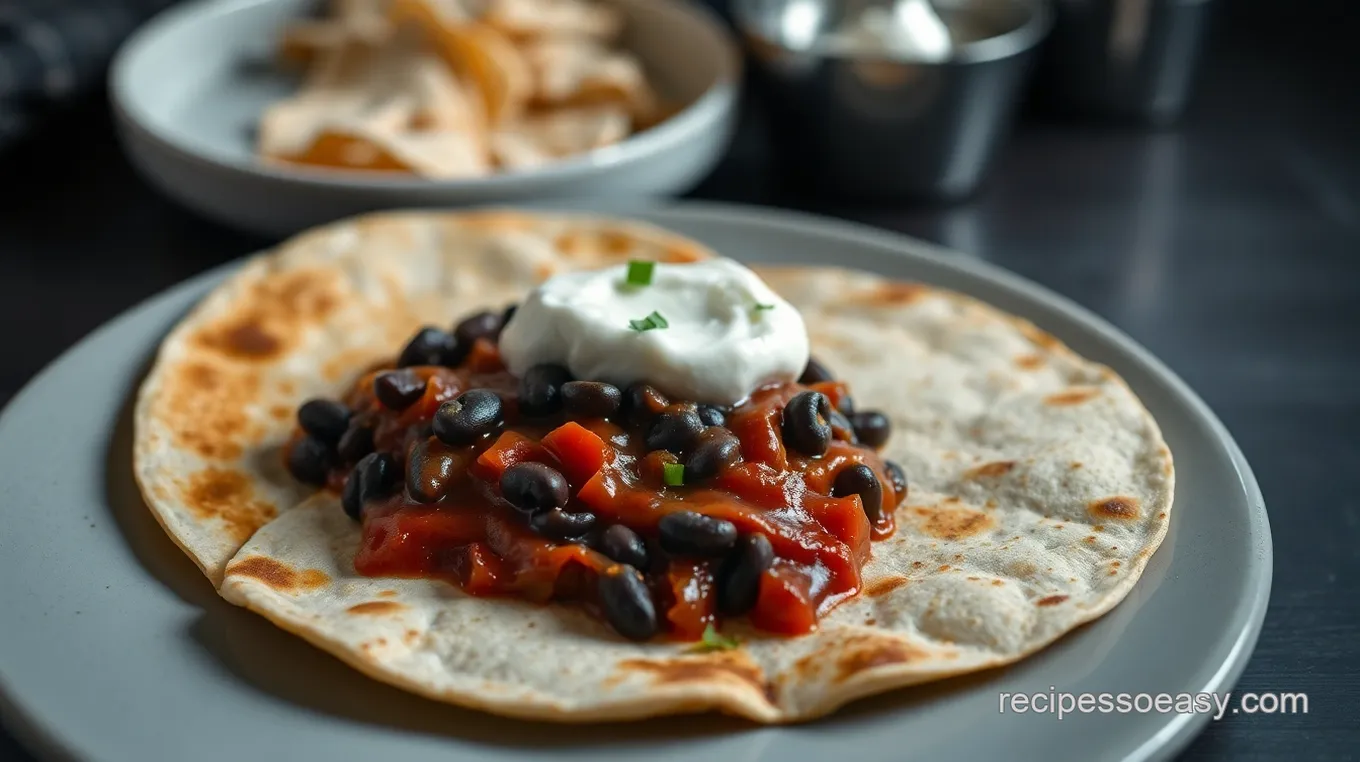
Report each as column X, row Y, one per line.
column 866, row 124
column 1123, row 59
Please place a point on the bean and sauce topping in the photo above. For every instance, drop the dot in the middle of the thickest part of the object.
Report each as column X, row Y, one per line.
column 658, row 515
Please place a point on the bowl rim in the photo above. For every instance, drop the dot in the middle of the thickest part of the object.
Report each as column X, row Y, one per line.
column 701, row 113
column 1008, row 44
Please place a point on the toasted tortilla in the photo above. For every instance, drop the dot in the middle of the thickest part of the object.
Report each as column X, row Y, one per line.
column 1040, row 486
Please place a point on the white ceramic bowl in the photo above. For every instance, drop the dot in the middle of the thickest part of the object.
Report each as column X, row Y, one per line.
column 188, row 89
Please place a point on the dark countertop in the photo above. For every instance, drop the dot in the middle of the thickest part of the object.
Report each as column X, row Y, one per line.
column 1229, row 246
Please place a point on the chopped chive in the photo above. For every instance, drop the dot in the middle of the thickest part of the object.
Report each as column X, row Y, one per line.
column 762, row 307
column 651, row 322
column 712, row 640
column 673, row 474
column 640, row 272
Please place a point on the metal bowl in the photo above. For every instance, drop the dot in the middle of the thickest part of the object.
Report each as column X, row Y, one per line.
column 868, row 123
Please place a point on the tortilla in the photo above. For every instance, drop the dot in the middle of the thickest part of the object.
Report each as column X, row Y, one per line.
column 1040, row 486
column 305, row 321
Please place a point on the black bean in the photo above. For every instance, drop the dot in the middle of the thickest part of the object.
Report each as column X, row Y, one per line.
column 591, row 399
column 472, row 415
column 712, row 415
column 717, row 449
column 430, row 471
column 356, row 443
column 686, row 533
column 540, row 390
column 898, row 477
column 626, row 602
column 623, row 545
column 642, row 403
column 872, row 428
column 815, row 373
column 860, row 480
column 560, row 525
column 398, row 389
column 371, row 479
column 483, row 325
column 310, row 460
column 739, row 576
column 534, row 487
column 324, row 419
column 674, row 430
column 431, row 346
column 841, row 428
column 806, row 426
column 352, row 498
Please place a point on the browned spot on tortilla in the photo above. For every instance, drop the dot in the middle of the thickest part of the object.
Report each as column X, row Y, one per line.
column 731, row 667
column 1121, row 508
column 884, row 586
column 375, row 607
column 974, row 579
column 871, row 621
column 896, row 293
column 1051, row 600
column 281, row 412
column 277, row 574
column 991, row 503
column 1074, row 465
column 1161, row 515
column 1113, row 573
column 943, row 567
column 995, row 468
column 229, row 497
column 952, row 499
column 862, row 652
column 1030, row 362
column 1021, row 569
column 312, row 578
column 272, row 313
column 1074, row 396
column 288, row 388
column 215, row 431
column 684, row 252
column 1038, row 336
column 159, row 492
column 411, row 637
column 916, row 564
column 1098, row 528
column 997, row 583
column 1115, row 564
column 952, row 523
column 1090, row 538
column 387, row 594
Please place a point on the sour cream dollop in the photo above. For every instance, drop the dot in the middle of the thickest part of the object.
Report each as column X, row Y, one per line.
column 726, row 332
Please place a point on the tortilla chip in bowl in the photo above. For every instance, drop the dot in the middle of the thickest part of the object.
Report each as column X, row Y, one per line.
column 492, row 104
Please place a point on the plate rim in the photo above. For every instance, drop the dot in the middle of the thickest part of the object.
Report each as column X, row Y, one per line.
column 42, row 738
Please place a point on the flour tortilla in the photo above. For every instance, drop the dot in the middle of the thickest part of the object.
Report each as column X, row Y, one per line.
column 304, row 321
column 1040, row 486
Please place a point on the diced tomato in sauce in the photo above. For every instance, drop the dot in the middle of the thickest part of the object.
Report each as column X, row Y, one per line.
column 473, row 538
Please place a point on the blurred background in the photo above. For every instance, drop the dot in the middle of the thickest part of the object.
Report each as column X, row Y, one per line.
column 1188, row 169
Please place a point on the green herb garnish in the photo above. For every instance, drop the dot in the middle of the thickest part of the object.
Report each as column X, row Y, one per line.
column 651, row 322
column 640, row 272
column 712, row 640
column 673, row 474
column 762, row 307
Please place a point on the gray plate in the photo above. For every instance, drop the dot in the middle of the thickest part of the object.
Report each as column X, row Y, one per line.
column 115, row 648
